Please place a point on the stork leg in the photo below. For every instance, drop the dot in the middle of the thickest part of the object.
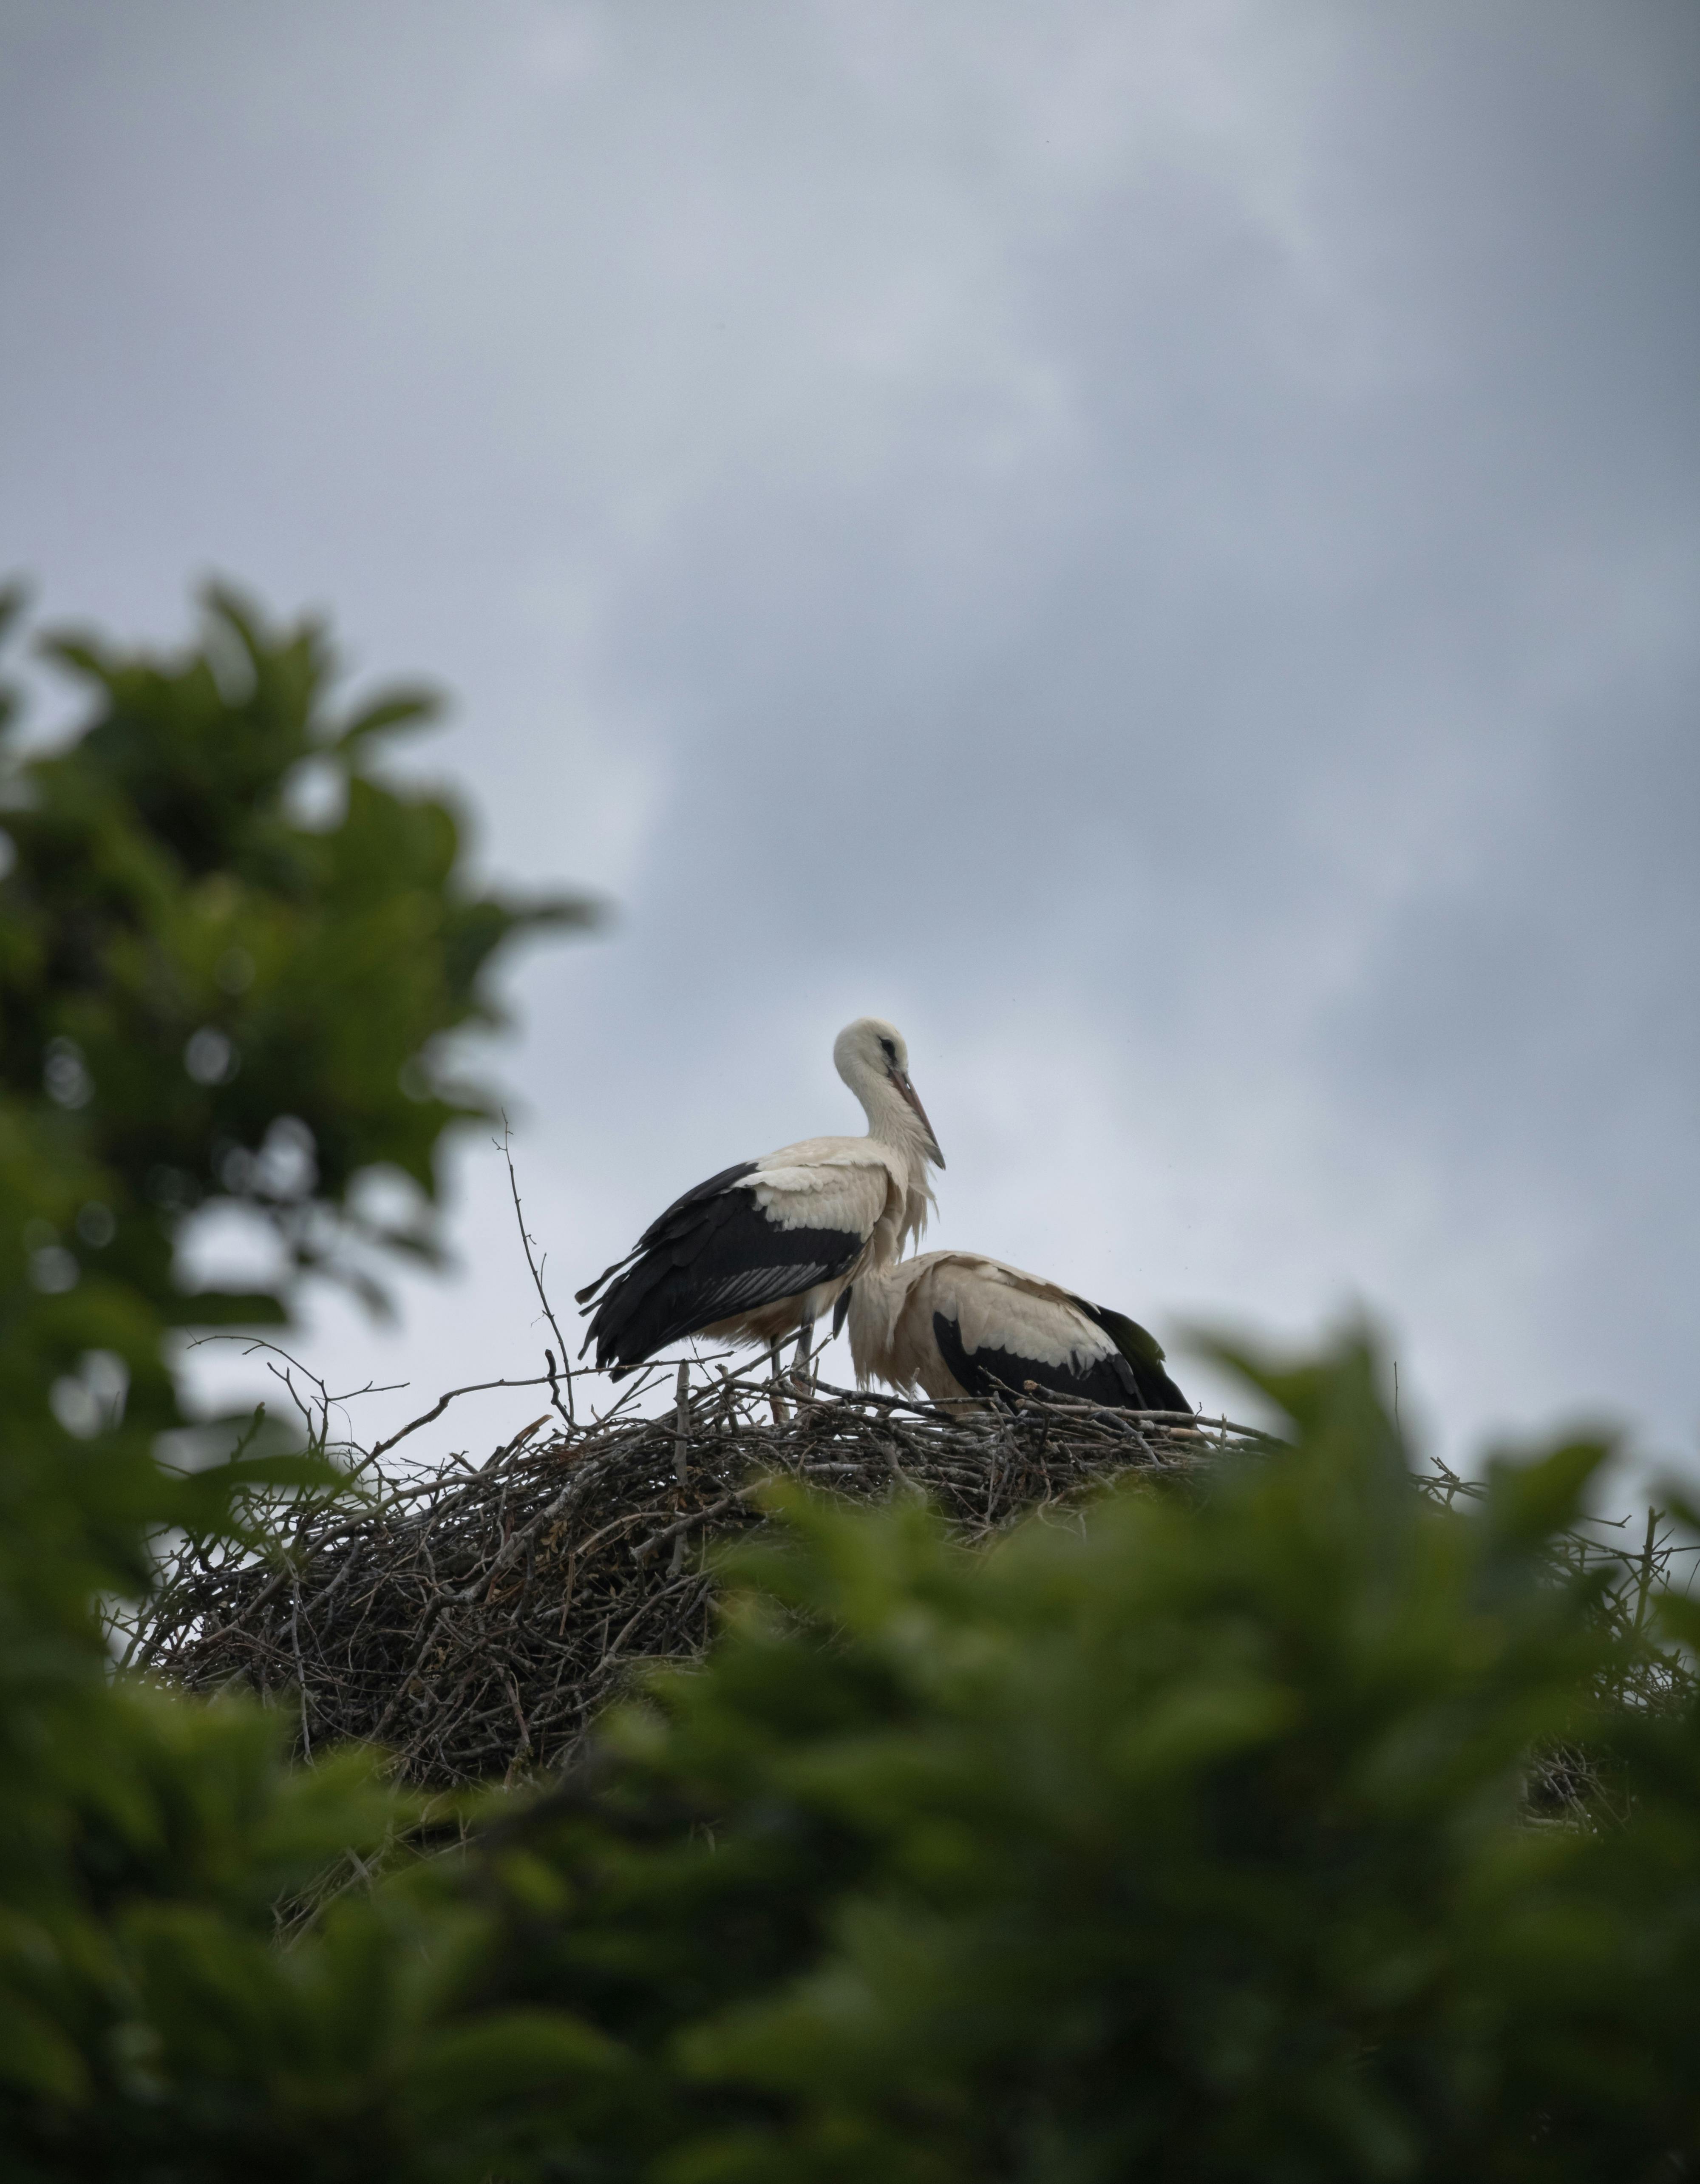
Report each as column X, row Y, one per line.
column 782, row 1415
column 800, row 1375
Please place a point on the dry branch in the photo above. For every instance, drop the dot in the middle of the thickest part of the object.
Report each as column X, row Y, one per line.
column 474, row 1622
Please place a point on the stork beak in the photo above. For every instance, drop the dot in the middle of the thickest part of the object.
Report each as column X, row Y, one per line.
column 913, row 1097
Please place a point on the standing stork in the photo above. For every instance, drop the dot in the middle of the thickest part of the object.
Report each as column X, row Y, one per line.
column 761, row 1250
column 960, row 1324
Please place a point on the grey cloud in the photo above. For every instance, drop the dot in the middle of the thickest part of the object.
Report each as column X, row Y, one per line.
column 1155, row 546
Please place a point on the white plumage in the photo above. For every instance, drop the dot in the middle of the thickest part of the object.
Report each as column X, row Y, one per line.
column 956, row 1324
column 765, row 1248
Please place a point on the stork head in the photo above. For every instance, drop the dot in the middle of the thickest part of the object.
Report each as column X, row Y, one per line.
column 873, row 1060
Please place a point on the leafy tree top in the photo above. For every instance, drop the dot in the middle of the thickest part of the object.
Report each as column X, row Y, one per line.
column 221, row 997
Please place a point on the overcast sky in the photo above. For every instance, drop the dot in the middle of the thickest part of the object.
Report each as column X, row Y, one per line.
column 1157, row 545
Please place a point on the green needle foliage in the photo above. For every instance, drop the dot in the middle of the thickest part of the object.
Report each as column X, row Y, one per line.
column 1186, row 1836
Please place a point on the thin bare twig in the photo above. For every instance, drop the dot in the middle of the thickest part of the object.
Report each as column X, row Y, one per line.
column 477, row 1619
column 566, row 1408
column 449, row 1607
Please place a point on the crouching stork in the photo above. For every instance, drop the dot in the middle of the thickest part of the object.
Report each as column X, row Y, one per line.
column 762, row 1251
column 957, row 1324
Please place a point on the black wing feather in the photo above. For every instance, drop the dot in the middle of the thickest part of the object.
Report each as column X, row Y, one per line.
column 991, row 1371
column 1144, row 1357
column 1119, row 1382
column 713, row 1253
column 716, row 1184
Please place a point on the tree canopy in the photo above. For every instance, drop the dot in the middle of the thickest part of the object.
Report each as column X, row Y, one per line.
column 1194, row 1836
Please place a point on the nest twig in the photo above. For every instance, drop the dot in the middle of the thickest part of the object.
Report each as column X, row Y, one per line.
column 475, row 1621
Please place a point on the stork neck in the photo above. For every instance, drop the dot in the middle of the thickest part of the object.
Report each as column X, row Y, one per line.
column 893, row 1122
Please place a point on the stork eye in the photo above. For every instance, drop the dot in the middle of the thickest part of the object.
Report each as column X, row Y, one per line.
column 890, row 1051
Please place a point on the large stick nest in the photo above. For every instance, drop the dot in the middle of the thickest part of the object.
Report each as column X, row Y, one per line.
column 474, row 1621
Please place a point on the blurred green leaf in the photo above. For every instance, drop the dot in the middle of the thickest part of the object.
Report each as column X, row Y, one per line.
column 1529, row 1500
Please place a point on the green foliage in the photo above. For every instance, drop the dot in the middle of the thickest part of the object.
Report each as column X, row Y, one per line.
column 1185, row 1836
column 1191, row 1842
column 203, row 999
column 219, row 1000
